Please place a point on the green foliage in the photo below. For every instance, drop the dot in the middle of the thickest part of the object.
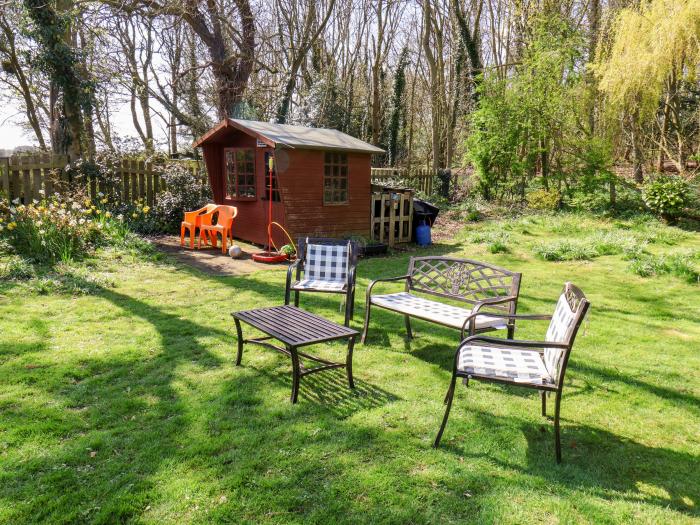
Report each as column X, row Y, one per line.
column 50, row 28
column 530, row 120
column 495, row 240
column 397, row 110
column 565, row 250
column 543, row 200
column 680, row 265
column 667, row 195
column 56, row 229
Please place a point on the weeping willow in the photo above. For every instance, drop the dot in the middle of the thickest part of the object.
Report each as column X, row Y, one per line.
column 650, row 43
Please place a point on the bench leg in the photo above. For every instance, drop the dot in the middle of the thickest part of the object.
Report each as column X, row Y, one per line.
column 296, row 373
column 407, row 320
column 296, row 298
column 239, row 332
column 348, row 362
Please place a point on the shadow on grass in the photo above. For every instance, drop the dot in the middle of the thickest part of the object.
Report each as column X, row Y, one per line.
column 113, row 423
column 593, row 460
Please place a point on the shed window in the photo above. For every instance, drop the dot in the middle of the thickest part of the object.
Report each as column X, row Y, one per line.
column 240, row 173
column 275, row 186
column 335, row 178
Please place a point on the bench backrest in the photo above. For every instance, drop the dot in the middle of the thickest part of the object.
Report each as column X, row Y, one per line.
column 463, row 279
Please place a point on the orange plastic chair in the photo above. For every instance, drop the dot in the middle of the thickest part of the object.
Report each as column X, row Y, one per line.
column 223, row 226
column 192, row 221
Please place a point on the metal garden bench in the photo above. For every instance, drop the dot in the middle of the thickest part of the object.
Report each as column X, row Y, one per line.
column 532, row 364
column 478, row 285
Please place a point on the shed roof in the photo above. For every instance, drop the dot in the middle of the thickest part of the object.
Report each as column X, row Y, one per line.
column 284, row 135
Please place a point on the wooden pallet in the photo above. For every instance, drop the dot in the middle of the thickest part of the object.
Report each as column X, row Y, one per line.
column 392, row 216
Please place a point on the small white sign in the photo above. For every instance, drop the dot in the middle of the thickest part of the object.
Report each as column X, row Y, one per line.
column 261, row 144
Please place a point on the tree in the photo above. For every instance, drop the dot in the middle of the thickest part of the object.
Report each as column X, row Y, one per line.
column 652, row 58
column 71, row 93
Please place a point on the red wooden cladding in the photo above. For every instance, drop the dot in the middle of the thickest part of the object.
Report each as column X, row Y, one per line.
column 300, row 177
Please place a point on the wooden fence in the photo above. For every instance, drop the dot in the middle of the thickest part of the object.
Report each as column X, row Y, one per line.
column 421, row 179
column 31, row 177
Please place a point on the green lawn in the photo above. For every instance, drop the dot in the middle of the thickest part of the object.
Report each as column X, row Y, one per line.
column 124, row 405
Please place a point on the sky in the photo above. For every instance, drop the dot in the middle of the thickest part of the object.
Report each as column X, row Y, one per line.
column 13, row 135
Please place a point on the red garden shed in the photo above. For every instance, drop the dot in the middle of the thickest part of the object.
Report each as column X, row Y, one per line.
column 321, row 180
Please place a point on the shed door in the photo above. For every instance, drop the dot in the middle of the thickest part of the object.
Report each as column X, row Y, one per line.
column 239, row 165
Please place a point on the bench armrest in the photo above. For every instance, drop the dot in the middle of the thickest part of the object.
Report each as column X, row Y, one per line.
column 471, row 320
column 517, row 343
column 529, row 317
column 385, row 280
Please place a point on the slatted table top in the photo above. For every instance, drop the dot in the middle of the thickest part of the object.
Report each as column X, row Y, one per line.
column 294, row 326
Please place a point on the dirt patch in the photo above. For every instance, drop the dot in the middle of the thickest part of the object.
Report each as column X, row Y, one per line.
column 212, row 261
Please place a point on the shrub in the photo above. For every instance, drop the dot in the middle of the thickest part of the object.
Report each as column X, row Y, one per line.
column 495, row 241
column 55, row 229
column 667, row 196
column 565, row 250
column 16, row 268
column 184, row 191
column 543, row 200
column 680, row 265
column 614, row 242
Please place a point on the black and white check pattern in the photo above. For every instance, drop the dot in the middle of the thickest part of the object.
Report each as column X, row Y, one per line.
column 520, row 366
column 558, row 331
column 326, row 263
column 331, row 286
column 446, row 314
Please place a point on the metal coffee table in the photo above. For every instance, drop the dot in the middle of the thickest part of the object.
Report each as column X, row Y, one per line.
column 295, row 328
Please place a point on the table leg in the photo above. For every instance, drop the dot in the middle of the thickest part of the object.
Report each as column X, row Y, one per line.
column 348, row 361
column 296, row 373
column 239, row 332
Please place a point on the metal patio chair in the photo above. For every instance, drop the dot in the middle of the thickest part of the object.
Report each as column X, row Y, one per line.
column 532, row 364
column 328, row 266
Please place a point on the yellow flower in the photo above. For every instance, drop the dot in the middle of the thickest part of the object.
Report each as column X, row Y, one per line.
column 108, row 214
column 104, row 201
column 134, row 215
column 12, row 226
column 98, row 212
column 146, row 209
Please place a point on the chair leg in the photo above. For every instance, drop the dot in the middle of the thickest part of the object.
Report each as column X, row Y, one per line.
column 543, row 395
column 352, row 304
column 407, row 321
column 449, row 397
column 193, row 234
column 365, row 328
column 224, row 241
column 348, row 309
column 557, row 436
column 182, row 235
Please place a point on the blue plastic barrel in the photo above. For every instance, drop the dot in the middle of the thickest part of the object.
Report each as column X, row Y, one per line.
column 423, row 234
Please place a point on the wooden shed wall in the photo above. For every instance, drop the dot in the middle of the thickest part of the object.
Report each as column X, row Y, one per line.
column 302, row 194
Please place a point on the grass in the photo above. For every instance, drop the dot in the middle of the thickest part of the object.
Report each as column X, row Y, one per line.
column 124, row 405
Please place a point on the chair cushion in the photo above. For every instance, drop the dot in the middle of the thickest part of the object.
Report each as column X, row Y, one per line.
column 326, row 262
column 442, row 313
column 315, row 284
column 510, row 364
